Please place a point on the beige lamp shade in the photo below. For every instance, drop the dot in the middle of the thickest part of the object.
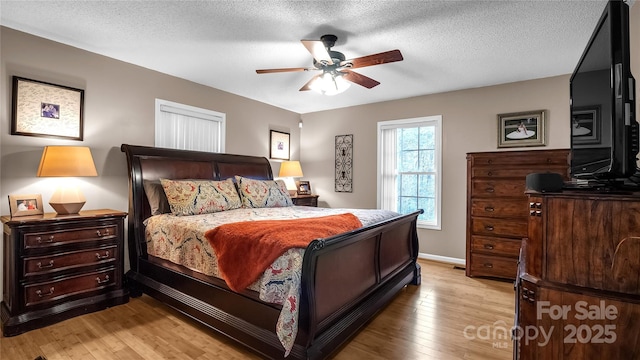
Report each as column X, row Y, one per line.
column 70, row 161
column 66, row 161
column 290, row 169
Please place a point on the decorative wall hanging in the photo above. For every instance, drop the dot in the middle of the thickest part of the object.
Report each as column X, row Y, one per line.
column 344, row 163
column 279, row 145
column 43, row 109
column 521, row 129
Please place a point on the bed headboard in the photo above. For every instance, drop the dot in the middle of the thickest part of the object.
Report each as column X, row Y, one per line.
column 151, row 163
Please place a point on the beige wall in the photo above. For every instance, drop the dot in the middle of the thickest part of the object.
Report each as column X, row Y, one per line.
column 469, row 123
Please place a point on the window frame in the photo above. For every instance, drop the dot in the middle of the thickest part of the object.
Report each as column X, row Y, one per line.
column 433, row 120
column 192, row 112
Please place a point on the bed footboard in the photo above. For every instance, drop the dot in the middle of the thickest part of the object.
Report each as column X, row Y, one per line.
column 349, row 278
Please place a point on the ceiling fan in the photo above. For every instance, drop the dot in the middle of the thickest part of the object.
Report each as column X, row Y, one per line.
column 336, row 70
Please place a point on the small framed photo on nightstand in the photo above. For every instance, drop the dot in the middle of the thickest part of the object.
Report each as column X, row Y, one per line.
column 304, row 188
column 23, row 205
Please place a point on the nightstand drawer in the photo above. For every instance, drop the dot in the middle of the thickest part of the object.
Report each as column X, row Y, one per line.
column 60, row 289
column 305, row 200
column 69, row 260
column 61, row 237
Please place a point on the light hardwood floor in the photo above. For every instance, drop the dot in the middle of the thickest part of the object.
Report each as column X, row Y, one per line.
column 425, row 322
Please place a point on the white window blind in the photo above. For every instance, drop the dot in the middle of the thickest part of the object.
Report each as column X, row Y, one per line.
column 180, row 126
column 410, row 167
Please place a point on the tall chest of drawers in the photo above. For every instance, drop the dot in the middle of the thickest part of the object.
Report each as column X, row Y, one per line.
column 59, row 266
column 497, row 207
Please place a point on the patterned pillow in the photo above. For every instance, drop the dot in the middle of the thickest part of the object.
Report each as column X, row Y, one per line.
column 193, row 197
column 263, row 193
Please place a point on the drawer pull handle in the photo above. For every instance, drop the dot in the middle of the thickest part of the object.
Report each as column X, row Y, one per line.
column 489, row 209
column 488, row 228
column 489, row 173
column 40, row 266
column 40, row 294
column 490, row 190
column 106, row 280
column 48, row 240
column 488, row 246
column 488, row 265
column 99, row 257
column 105, row 233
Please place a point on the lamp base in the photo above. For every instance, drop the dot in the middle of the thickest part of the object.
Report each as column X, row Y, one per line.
column 67, row 208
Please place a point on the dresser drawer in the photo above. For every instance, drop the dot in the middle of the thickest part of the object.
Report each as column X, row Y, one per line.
column 495, row 246
column 484, row 265
column 521, row 158
column 36, row 294
column 64, row 261
column 499, row 208
column 61, row 237
column 506, row 172
column 498, row 188
column 499, row 227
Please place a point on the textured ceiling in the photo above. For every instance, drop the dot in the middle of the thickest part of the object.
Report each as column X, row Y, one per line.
column 447, row 45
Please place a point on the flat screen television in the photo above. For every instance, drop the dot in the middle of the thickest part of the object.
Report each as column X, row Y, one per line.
column 604, row 130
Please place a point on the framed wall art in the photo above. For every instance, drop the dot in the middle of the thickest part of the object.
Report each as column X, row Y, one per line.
column 279, row 145
column 44, row 109
column 344, row 163
column 585, row 127
column 22, row 205
column 521, row 129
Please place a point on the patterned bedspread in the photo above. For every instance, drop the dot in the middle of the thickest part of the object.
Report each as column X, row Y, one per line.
column 180, row 239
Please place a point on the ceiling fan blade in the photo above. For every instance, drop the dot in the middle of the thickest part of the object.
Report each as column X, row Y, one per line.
column 375, row 59
column 359, row 79
column 267, row 71
column 318, row 51
column 306, row 86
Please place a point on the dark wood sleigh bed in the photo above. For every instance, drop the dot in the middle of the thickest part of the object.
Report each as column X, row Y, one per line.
column 372, row 263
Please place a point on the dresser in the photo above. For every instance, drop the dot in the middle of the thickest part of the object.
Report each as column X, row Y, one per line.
column 59, row 266
column 497, row 209
column 579, row 278
column 305, row 200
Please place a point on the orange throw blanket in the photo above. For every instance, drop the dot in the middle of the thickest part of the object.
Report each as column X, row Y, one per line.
column 246, row 249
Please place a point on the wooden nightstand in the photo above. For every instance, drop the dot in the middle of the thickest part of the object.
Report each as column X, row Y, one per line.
column 305, row 200
column 60, row 266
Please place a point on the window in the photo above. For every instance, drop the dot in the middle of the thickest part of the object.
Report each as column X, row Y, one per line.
column 180, row 126
column 410, row 167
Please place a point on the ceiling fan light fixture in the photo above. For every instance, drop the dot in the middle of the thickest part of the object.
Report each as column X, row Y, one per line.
column 330, row 84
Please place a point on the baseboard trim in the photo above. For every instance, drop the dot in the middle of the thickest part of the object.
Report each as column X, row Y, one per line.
column 443, row 259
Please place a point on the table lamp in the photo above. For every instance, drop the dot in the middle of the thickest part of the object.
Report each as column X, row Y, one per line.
column 67, row 161
column 289, row 170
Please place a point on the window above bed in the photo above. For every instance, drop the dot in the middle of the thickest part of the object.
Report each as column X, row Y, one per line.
column 185, row 127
